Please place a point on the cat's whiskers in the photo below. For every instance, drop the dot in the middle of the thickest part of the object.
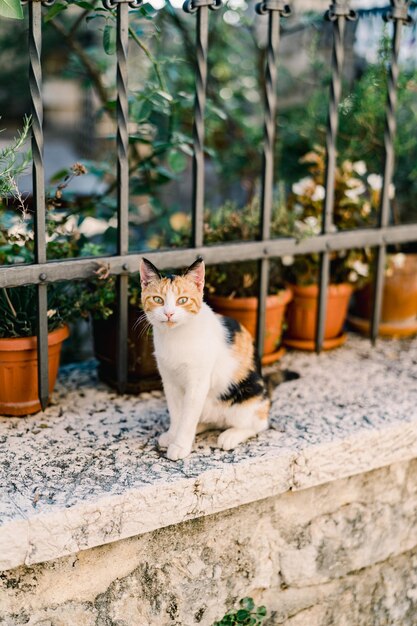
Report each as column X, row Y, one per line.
column 139, row 319
column 143, row 323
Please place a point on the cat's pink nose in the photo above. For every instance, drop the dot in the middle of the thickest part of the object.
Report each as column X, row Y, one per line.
column 169, row 315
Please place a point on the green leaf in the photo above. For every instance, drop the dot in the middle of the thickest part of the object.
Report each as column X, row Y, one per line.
column 59, row 175
column 184, row 147
column 261, row 611
column 177, row 161
column 247, row 603
column 56, row 9
column 218, row 112
column 165, row 95
column 94, row 17
column 109, row 39
column 164, row 174
column 84, row 5
column 242, row 615
column 142, row 112
column 11, row 9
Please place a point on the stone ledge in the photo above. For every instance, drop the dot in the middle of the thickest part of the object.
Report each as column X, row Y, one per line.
column 88, row 472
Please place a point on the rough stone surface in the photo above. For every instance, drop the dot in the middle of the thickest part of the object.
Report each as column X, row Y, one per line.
column 340, row 554
column 88, row 471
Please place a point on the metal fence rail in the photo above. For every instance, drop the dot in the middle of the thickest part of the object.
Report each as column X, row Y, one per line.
column 42, row 272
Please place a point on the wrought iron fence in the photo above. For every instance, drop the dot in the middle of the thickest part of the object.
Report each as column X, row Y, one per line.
column 42, row 272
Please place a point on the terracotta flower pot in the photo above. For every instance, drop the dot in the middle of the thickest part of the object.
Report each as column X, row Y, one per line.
column 19, row 371
column 399, row 302
column 143, row 373
column 302, row 315
column 244, row 310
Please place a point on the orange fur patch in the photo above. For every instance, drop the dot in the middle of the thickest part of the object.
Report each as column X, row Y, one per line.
column 243, row 351
column 181, row 286
column 263, row 411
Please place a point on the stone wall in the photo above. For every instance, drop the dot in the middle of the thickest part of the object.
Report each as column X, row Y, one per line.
column 342, row 554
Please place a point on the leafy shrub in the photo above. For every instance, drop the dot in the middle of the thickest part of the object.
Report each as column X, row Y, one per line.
column 248, row 614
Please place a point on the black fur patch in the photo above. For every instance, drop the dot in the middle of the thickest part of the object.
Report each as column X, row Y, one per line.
column 152, row 267
column 232, row 327
column 192, row 267
column 250, row 387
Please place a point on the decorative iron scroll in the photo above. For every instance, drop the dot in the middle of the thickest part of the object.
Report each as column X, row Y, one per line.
column 192, row 6
column 263, row 8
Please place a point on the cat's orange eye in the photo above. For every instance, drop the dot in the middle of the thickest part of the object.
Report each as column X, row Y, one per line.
column 182, row 300
column 158, row 300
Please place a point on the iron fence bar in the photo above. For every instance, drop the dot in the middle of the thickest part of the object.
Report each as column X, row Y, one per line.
column 399, row 16
column 38, row 192
column 201, row 7
column 275, row 9
column 85, row 268
column 338, row 13
column 122, row 115
column 123, row 190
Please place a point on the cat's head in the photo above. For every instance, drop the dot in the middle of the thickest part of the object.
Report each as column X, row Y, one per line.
column 171, row 301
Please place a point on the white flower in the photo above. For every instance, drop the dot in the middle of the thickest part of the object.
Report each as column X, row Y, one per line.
column 51, row 312
column 355, row 192
column 359, row 167
column 360, row 268
column 288, row 259
column 398, row 260
column 309, row 226
column 375, row 182
column 92, row 226
column 298, row 209
column 311, row 221
column 303, row 186
column 18, row 229
column 352, row 277
column 319, row 193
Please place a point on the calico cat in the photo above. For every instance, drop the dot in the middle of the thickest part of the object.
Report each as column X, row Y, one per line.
column 206, row 361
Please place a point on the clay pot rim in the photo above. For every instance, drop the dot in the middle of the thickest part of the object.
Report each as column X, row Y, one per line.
column 14, row 344
column 311, row 291
column 283, row 297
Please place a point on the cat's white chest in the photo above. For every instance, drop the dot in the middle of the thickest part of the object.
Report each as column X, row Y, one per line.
column 192, row 350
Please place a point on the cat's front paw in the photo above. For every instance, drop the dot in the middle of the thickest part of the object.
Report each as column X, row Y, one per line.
column 232, row 437
column 165, row 439
column 176, row 452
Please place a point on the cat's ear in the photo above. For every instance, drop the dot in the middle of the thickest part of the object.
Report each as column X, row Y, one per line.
column 148, row 272
column 196, row 273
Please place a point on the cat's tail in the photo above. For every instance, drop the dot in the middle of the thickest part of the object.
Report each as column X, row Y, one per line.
column 277, row 377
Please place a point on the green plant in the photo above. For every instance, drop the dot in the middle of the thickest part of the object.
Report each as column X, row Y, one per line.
column 159, row 146
column 356, row 201
column 11, row 9
column 248, row 614
column 66, row 300
column 361, row 125
column 230, row 223
column 13, row 162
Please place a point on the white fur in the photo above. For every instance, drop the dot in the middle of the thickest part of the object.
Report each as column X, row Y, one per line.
column 197, row 364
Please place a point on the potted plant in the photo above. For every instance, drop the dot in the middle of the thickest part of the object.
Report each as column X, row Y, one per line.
column 399, row 299
column 356, row 200
column 18, row 305
column 142, row 374
column 232, row 288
